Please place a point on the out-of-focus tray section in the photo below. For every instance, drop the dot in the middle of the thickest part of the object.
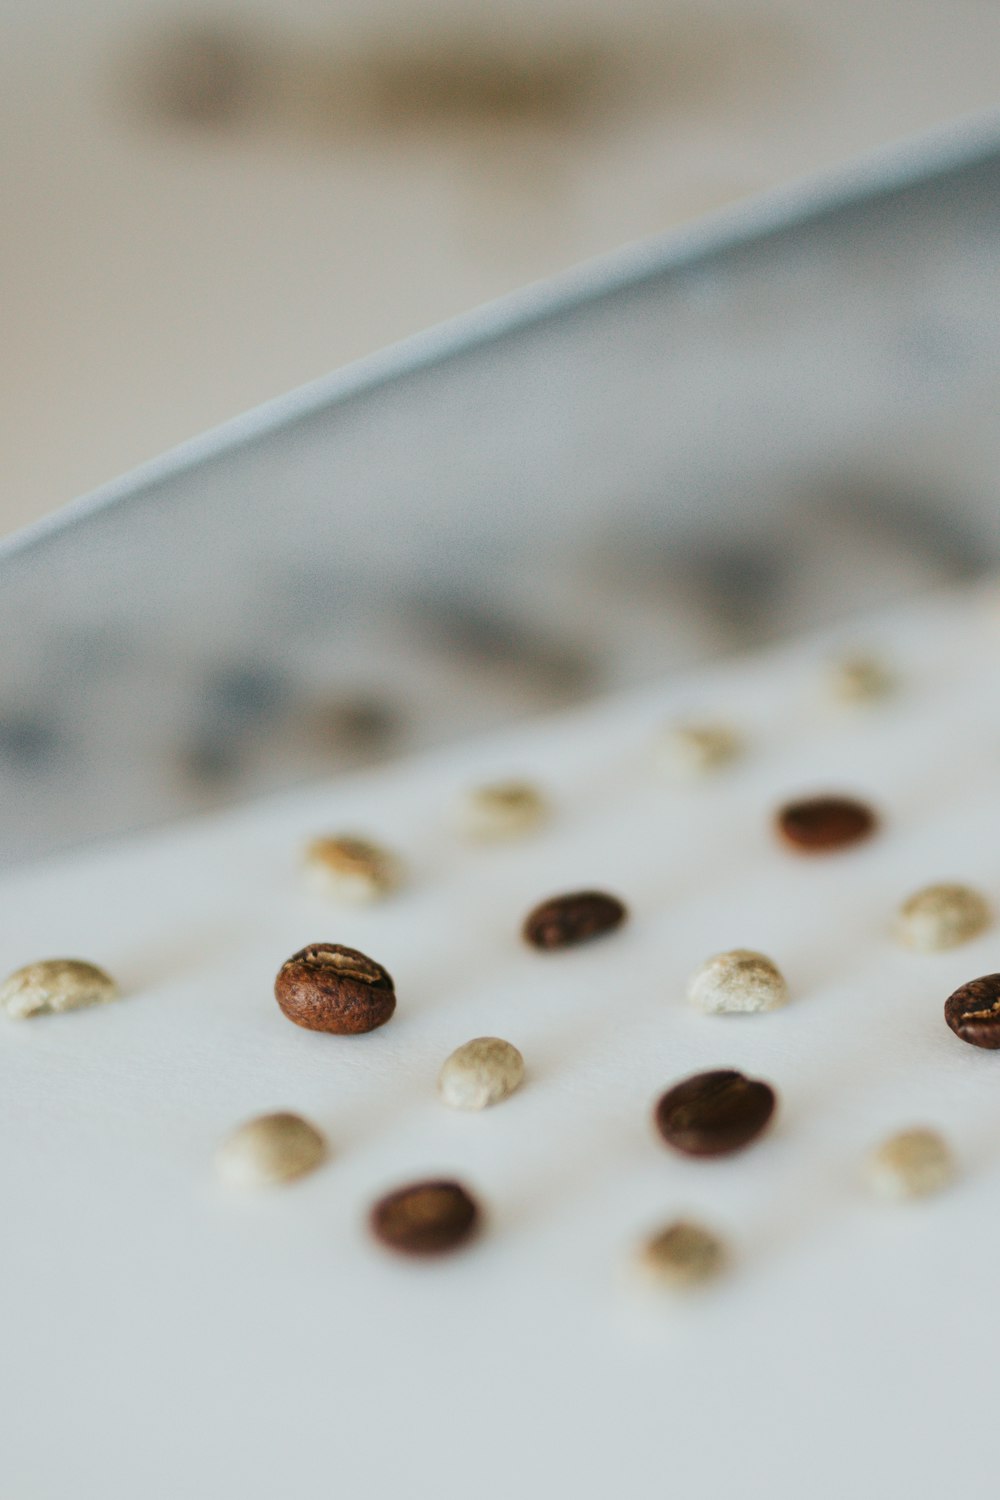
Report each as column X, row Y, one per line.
column 780, row 418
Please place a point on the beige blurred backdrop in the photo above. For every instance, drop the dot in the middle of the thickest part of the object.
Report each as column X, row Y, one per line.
column 206, row 204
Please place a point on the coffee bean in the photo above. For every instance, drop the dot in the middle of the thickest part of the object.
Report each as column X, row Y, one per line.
column 326, row 987
column 818, row 825
column 712, row 1114
column 270, row 1149
column 681, row 1255
column 738, row 982
column 55, row 984
column 425, row 1218
column 910, row 1165
column 687, row 751
column 860, row 679
column 565, row 920
column 482, row 1072
column 356, row 725
column 501, row 810
column 942, row 916
column 353, row 869
column 973, row 1011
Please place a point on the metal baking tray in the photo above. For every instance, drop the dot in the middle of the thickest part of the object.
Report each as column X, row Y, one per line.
column 776, row 418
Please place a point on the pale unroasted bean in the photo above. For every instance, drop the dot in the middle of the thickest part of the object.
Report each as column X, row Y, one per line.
column 55, row 984
column 942, row 916
column 501, row 810
column 860, row 679
column 681, row 1255
column 691, row 750
column 480, row 1073
column 910, row 1165
column 737, row 982
column 270, row 1149
column 353, row 869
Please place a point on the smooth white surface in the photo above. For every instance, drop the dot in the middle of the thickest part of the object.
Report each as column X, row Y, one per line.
column 163, row 1336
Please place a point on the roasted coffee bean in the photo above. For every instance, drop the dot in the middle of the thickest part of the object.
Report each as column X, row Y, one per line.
column 973, row 1011
column 712, row 1114
column 818, row 825
column 327, row 987
column 566, row 920
column 357, row 725
column 425, row 1218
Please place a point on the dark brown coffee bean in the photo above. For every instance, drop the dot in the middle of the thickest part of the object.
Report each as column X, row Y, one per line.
column 712, row 1114
column 326, row 987
column 973, row 1011
column 565, row 920
column 426, row 1218
column 820, row 824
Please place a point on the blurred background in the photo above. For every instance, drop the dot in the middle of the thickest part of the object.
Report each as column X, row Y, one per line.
column 207, row 203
